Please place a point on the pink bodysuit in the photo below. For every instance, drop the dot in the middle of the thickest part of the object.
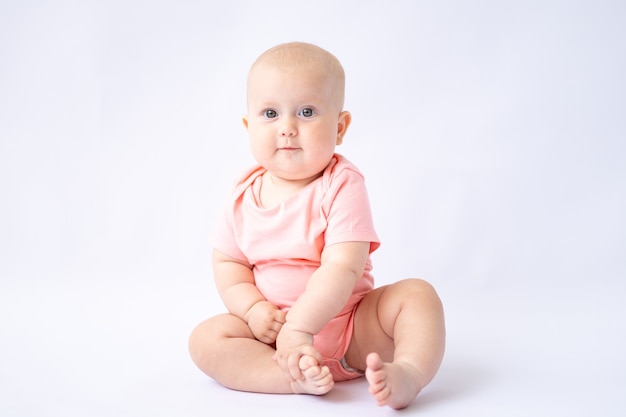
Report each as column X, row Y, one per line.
column 284, row 243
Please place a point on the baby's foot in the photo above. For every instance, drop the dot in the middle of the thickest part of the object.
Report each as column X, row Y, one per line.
column 317, row 379
column 394, row 384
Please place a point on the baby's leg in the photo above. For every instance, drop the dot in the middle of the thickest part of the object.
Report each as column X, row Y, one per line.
column 225, row 349
column 398, row 339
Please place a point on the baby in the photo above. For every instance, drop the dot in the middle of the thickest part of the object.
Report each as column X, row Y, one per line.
column 291, row 255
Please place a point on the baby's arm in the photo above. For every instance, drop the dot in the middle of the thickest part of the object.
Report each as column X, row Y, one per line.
column 326, row 293
column 235, row 284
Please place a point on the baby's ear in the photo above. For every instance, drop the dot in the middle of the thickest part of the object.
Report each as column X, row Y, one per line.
column 342, row 125
column 244, row 120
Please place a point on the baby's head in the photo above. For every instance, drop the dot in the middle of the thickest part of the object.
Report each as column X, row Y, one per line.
column 303, row 58
column 295, row 110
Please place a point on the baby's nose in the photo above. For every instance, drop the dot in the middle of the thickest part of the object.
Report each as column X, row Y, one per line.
column 288, row 127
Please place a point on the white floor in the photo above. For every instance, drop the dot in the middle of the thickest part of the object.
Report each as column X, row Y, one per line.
column 117, row 346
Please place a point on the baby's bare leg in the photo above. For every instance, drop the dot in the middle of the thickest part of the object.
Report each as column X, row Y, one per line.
column 398, row 339
column 225, row 349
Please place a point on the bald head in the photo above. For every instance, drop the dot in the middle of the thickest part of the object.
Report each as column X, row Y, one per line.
column 303, row 56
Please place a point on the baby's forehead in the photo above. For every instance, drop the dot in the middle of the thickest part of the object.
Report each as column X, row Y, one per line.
column 299, row 56
column 289, row 70
column 300, row 60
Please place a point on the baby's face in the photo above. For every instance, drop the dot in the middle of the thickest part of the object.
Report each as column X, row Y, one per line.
column 294, row 120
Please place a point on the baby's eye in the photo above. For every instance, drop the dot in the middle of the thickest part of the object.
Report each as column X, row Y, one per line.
column 307, row 112
column 270, row 114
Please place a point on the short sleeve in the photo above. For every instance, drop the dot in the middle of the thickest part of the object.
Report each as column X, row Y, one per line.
column 223, row 237
column 347, row 209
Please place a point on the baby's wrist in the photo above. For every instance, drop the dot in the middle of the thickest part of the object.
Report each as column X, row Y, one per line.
column 293, row 327
column 247, row 314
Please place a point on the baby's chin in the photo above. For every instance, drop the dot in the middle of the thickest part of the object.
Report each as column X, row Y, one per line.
column 296, row 177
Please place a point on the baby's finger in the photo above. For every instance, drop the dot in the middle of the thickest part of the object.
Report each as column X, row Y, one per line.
column 268, row 338
column 311, row 351
column 293, row 365
column 271, row 336
column 276, row 326
column 281, row 316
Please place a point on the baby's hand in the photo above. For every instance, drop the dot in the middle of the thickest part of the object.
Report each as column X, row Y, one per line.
column 265, row 320
column 291, row 346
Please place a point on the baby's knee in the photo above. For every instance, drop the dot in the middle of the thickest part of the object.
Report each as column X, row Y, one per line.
column 415, row 284
column 417, row 288
column 206, row 336
column 199, row 340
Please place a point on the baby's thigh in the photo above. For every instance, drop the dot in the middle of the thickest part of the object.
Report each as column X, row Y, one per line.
column 369, row 333
column 220, row 327
column 207, row 341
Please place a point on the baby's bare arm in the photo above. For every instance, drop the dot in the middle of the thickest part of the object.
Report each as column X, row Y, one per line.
column 326, row 293
column 329, row 287
column 235, row 284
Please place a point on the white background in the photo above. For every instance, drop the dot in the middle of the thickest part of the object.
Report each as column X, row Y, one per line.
column 492, row 136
